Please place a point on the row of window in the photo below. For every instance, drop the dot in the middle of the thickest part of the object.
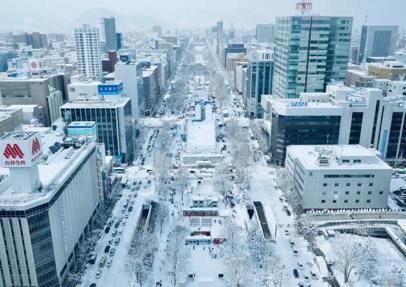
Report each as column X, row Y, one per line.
column 347, row 192
column 325, row 184
column 346, row 201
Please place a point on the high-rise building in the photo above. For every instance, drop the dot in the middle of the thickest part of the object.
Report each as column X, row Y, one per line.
column 114, row 124
column 264, row 33
column 260, row 74
column 233, row 48
column 87, row 42
column 310, row 51
column 377, row 41
column 119, row 40
column 130, row 73
column 109, row 34
column 40, row 226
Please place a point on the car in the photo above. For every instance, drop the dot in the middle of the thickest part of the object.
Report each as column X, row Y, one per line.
column 295, row 273
column 300, row 265
column 117, row 225
column 120, row 232
column 301, row 284
column 114, row 234
column 92, row 258
column 117, row 241
column 110, row 223
column 291, row 242
column 124, row 222
column 126, row 216
column 93, row 285
column 109, row 262
column 98, row 274
column 130, row 209
column 306, row 277
column 107, row 230
column 288, row 213
column 110, row 241
column 295, row 252
column 286, row 232
column 107, row 249
column 314, row 275
column 112, row 252
column 121, row 218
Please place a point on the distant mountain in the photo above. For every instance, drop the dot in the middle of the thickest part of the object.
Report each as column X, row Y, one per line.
column 124, row 23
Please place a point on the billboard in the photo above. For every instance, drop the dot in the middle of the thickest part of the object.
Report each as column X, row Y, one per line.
column 20, row 149
column 110, row 89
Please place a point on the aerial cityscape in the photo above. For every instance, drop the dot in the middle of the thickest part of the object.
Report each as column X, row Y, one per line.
column 203, row 143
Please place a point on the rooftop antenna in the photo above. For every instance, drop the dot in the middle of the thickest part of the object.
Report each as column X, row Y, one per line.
column 304, row 6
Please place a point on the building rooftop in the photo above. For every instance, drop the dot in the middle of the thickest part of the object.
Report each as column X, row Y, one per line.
column 337, row 157
column 96, row 103
column 56, row 165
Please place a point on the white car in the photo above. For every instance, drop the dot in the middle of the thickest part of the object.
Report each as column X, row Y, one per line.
column 109, row 262
column 98, row 274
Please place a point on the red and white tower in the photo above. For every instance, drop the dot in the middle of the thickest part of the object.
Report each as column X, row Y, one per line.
column 304, row 6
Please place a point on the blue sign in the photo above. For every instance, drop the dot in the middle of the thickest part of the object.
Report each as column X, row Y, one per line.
column 110, row 89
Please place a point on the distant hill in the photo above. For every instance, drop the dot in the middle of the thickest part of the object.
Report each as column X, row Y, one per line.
column 124, row 23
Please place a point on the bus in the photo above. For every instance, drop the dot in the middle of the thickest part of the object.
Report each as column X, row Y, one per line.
column 119, row 170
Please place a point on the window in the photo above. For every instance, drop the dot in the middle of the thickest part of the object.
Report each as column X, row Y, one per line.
column 358, row 192
column 325, row 184
column 357, row 161
column 336, row 184
column 381, row 192
column 357, row 201
column 347, row 192
column 348, row 184
column 334, row 201
column 359, row 184
column 369, row 192
column 324, row 193
column 371, row 184
column 368, row 200
column 346, row 201
column 323, row 201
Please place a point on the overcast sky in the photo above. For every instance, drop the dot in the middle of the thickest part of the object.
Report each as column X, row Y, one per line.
column 15, row 14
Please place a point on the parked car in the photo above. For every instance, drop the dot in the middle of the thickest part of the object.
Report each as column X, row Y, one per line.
column 295, row 252
column 92, row 259
column 98, row 274
column 107, row 249
column 107, row 230
column 314, row 275
column 117, row 225
column 300, row 265
column 295, row 273
column 114, row 234
column 109, row 262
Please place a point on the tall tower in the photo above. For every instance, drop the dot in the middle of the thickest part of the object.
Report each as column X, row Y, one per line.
column 304, row 6
column 109, row 34
column 87, row 42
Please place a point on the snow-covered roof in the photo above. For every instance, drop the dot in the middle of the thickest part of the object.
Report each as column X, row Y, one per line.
column 337, row 157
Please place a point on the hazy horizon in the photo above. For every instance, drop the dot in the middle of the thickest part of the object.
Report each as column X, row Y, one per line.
column 60, row 15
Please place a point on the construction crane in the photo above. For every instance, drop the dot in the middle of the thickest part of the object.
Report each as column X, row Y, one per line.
column 304, row 6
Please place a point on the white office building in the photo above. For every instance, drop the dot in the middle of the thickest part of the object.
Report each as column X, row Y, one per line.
column 130, row 73
column 338, row 176
column 377, row 41
column 87, row 43
column 43, row 185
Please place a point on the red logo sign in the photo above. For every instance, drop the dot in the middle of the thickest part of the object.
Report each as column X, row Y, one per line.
column 13, row 151
column 36, row 146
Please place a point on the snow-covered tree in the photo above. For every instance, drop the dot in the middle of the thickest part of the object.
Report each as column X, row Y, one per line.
column 162, row 216
column 261, row 253
column 235, row 253
column 182, row 180
column 177, row 254
column 307, row 227
column 286, row 185
column 222, row 181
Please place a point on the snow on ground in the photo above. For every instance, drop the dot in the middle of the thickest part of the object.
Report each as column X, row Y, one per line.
column 387, row 254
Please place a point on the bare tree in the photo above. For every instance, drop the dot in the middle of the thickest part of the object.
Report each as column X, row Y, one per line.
column 353, row 254
column 182, row 180
column 177, row 253
column 162, row 216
